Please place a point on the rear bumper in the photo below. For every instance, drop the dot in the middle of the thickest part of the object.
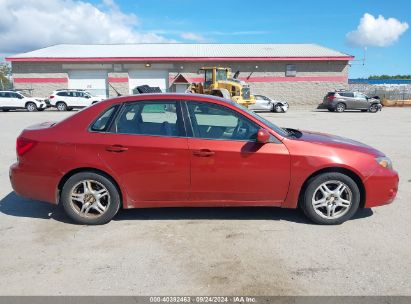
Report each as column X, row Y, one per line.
column 381, row 187
column 323, row 106
column 30, row 184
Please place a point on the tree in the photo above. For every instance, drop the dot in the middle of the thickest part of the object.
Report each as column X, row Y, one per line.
column 390, row 77
column 5, row 72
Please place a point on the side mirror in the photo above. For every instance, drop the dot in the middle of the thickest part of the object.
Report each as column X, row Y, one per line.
column 263, row 136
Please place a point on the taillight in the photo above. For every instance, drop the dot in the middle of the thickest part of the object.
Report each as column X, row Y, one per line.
column 23, row 145
column 331, row 97
column 51, row 97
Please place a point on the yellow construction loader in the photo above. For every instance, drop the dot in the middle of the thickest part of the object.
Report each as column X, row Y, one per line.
column 218, row 82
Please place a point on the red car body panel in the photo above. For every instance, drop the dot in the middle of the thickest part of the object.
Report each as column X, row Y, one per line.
column 158, row 171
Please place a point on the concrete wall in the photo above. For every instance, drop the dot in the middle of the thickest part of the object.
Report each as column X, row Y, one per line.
column 306, row 89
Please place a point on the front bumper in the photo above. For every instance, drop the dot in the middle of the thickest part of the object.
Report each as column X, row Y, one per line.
column 381, row 187
column 285, row 106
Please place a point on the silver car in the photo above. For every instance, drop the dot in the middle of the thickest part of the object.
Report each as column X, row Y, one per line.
column 265, row 103
column 339, row 101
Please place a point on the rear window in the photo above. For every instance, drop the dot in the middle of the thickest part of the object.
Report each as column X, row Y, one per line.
column 331, row 94
column 102, row 123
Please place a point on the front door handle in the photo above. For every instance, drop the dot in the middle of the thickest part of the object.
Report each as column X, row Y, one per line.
column 116, row 148
column 203, row 153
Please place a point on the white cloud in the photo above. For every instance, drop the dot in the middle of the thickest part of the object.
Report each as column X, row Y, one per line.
column 379, row 31
column 26, row 25
column 192, row 37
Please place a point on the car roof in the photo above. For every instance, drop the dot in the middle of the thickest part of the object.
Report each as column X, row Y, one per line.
column 178, row 96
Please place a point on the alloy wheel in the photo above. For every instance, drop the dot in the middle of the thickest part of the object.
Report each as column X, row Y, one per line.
column 278, row 109
column 340, row 108
column 332, row 199
column 31, row 107
column 61, row 106
column 89, row 198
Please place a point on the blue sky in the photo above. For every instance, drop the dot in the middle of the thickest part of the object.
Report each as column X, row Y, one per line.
column 31, row 24
column 321, row 22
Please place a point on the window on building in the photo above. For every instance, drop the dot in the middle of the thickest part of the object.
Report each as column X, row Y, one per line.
column 290, row 70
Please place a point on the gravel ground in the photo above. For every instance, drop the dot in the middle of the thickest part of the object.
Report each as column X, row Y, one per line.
column 213, row 251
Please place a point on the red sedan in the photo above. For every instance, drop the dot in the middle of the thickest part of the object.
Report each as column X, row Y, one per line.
column 169, row 150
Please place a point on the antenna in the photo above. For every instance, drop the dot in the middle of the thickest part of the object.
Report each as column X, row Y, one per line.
column 362, row 60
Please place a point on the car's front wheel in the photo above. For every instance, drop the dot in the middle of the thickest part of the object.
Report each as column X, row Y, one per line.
column 278, row 108
column 31, row 107
column 373, row 108
column 90, row 198
column 61, row 106
column 330, row 198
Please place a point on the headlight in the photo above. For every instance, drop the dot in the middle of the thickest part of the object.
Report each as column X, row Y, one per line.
column 384, row 162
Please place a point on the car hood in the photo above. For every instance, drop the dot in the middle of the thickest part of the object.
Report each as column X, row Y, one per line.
column 338, row 141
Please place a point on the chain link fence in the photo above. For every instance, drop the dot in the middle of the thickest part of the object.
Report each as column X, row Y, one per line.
column 386, row 91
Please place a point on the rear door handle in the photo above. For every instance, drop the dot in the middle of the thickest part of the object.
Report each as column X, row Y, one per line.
column 203, row 153
column 116, row 148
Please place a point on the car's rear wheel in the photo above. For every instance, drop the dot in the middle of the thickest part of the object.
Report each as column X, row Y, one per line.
column 373, row 108
column 61, row 106
column 31, row 107
column 90, row 198
column 340, row 107
column 330, row 198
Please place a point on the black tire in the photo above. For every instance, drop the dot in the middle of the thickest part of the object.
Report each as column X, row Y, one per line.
column 340, row 107
column 373, row 108
column 312, row 189
column 61, row 106
column 72, row 207
column 6, row 110
column 41, row 110
column 31, row 107
column 69, row 109
column 363, row 110
column 331, row 110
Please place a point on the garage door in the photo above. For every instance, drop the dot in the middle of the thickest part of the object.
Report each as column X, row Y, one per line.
column 94, row 82
column 151, row 78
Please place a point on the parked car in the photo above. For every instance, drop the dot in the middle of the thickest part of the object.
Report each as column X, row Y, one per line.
column 13, row 100
column 339, row 101
column 170, row 150
column 265, row 103
column 67, row 100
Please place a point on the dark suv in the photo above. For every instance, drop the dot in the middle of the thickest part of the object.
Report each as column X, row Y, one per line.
column 340, row 101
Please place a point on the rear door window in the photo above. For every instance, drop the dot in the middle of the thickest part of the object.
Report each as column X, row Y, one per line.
column 158, row 118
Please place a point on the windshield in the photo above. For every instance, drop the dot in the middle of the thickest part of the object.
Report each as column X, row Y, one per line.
column 24, row 94
column 221, row 75
column 272, row 126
